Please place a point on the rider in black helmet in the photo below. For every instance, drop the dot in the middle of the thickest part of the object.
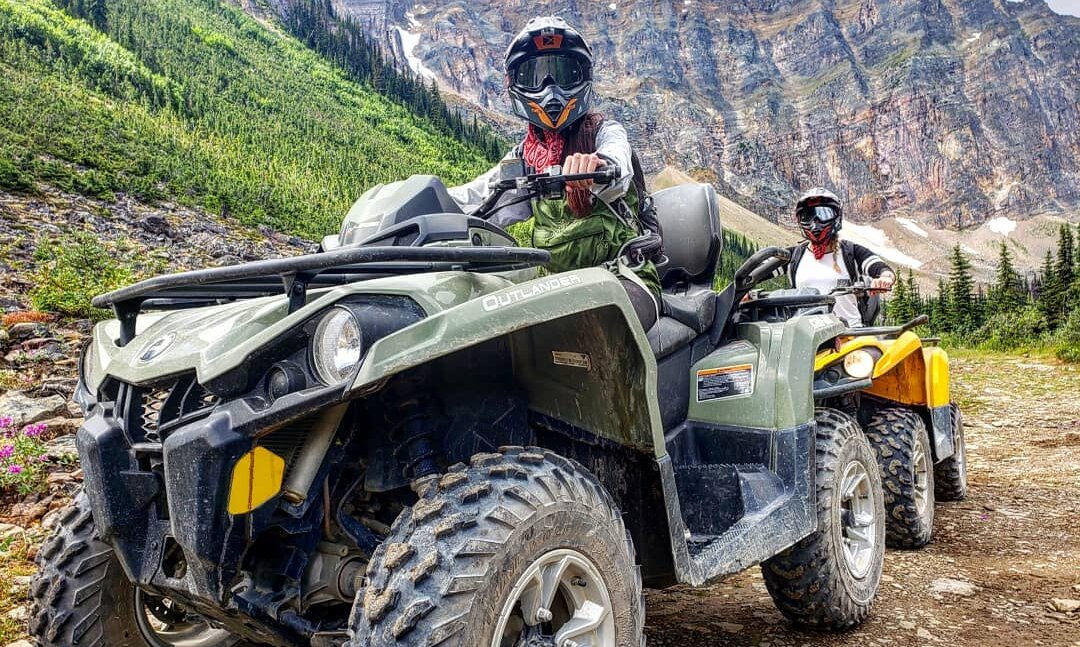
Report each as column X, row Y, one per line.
column 820, row 217
column 549, row 73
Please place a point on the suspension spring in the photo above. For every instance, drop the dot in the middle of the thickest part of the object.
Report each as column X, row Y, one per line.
column 413, row 431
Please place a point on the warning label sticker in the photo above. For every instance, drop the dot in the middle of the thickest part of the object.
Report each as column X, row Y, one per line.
column 577, row 360
column 725, row 382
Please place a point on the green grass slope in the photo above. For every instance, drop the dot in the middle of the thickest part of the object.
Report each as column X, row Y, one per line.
column 197, row 102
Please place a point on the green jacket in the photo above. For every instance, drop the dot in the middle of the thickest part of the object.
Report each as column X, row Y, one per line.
column 575, row 243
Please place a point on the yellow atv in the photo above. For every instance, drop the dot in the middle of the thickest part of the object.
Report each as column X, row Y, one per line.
column 897, row 386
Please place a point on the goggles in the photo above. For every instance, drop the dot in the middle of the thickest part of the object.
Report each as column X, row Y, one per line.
column 564, row 71
column 807, row 216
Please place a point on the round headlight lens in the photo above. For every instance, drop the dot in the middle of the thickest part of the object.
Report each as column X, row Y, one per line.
column 87, row 360
column 337, row 346
column 859, row 364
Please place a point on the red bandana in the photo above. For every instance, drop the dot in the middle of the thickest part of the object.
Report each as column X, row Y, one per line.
column 544, row 149
column 822, row 243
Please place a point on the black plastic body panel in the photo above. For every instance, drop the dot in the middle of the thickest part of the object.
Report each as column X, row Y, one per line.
column 736, row 496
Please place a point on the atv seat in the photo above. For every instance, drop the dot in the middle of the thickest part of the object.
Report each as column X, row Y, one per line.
column 690, row 218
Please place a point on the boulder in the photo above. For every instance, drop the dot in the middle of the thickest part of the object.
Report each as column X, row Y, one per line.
column 62, row 446
column 24, row 409
column 28, row 330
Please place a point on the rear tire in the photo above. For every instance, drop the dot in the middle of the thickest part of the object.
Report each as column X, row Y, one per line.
column 950, row 475
column 899, row 439
column 829, row 579
column 82, row 597
column 462, row 565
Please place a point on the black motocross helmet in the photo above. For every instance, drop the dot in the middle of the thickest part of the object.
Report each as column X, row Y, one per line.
column 549, row 74
column 819, row 215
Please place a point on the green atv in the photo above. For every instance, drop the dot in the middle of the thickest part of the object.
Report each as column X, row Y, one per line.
column 416, row 437
column 897, row 386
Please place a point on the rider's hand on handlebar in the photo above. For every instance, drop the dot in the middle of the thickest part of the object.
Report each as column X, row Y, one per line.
column 882, row 283
column 581, row 163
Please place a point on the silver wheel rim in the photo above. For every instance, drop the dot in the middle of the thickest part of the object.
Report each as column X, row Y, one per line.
column 857, row 519
column 560, row 600
column 164, row 625
column 922, row 477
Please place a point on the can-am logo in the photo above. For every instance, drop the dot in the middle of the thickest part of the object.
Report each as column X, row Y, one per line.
column 496, row 301
column 157, row 347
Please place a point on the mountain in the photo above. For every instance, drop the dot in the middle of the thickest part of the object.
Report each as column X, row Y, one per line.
column 199, row 103
column 949, row 114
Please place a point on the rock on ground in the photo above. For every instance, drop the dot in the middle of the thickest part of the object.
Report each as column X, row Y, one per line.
column 24, row 409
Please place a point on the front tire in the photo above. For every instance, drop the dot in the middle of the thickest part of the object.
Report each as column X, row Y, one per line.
column 521, row 546
column 950, row 475
column 829, row 579
column 82, row 597
column 902, row 444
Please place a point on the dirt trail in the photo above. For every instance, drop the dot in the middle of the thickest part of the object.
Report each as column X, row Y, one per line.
column 996, row 561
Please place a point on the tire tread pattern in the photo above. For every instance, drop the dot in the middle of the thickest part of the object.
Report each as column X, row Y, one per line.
column 73, row 567
column 805, row 580
column 893, row 433
column 424, row 597
column 950, row 475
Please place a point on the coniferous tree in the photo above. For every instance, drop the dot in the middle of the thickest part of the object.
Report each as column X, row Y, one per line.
column 1066, row 261
column 1051, row 294
column 918, row 307
column 1006, row 294
column 961, row 317
column 939, row 309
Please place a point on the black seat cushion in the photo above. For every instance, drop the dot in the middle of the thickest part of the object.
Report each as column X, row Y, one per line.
column 694, row 309
column 668, row 336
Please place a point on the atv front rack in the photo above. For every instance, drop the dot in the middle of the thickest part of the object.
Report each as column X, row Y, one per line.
column 295, row 276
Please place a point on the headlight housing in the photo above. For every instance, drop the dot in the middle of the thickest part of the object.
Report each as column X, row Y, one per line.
column 859, row 364
column 337, row 346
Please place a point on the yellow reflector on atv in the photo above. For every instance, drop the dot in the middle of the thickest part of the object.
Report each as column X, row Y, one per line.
column 256, row 478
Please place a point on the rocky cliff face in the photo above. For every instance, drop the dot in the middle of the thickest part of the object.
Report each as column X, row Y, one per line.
column 955, row 112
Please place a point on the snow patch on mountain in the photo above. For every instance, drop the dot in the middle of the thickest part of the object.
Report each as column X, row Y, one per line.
column 913, row 227
column 409, row 41
column 1001, row 225
column 877, row 240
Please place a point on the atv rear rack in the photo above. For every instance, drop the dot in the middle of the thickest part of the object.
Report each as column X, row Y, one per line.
column 296, row 275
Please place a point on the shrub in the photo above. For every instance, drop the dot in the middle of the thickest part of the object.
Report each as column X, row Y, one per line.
column 71, row 271
column 22, row 457
column 1011, row 330
column 1067, row 339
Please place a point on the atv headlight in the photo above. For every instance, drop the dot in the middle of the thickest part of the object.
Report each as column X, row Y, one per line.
column 86, row 361
column 337, row 345
column 859, row 364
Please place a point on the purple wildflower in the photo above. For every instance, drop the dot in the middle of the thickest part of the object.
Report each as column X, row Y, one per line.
column 34, row 430
column 6, row 451
column 14, row 469
column 5, row 422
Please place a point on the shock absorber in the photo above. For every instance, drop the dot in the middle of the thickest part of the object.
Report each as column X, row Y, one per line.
column 413, row 433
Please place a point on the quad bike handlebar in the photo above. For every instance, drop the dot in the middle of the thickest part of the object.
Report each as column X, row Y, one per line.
column 857, row 288
column 550, row 184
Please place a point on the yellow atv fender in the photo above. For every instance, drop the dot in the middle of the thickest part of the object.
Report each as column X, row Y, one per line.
column 907, row 373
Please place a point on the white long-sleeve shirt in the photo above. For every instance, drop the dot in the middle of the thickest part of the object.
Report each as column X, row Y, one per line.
column 612, row 144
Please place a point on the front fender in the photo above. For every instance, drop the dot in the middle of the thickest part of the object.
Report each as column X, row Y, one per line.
column 538, row 304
